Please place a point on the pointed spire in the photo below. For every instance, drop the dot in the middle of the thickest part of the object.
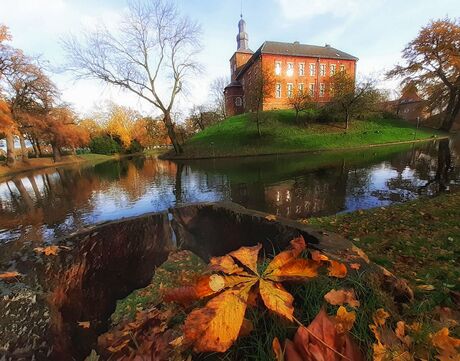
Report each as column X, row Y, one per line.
column 242, row 37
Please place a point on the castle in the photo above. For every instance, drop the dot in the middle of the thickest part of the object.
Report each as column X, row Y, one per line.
column 295, row 67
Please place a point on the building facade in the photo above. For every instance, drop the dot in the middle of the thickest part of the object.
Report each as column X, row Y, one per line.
column 294, row 67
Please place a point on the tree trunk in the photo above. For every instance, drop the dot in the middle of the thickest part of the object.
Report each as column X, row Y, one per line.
column 171, row 133
column 453, row 108
column 296, row 116
column 40, row 153
column 347, row 119
column 24, row 151
column 10, row 153
column 258, row 123
column 56, row 153
column 34, row 146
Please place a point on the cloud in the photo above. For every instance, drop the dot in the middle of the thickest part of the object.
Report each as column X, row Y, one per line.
column 304, row 9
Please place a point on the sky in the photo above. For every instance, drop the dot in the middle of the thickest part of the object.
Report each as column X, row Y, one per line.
column 374, row 31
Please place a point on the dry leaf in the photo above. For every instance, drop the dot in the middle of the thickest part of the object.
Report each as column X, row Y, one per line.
column 447, row 346
column 10, row 276
column 355, row 266
column 344, row 320
column 380, row 317
column 276, row 346
column 84, row 324
column 270, row 217
column 318, row 256
column 337, row 269
column 48, row 251
column 341, row 297
column 425, row 287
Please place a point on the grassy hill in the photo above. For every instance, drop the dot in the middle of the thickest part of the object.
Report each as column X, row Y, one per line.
column 237, row 135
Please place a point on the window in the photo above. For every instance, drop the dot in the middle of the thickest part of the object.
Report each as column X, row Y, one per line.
column 301, row 69
column 290, row 69
column 278, row 90
column 312, row 89
column 332, row 69
column 312, row 69
column 322, row 70
column 300, row 88
column 238, row 101
column 289, row 90
column 277, row 67
column 322, row 90
column 342, row 68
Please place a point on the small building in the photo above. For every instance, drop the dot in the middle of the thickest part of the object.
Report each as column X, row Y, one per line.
column 409, row 106
column 295, row 67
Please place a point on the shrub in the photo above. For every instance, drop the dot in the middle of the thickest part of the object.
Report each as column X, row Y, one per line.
column 135, row 147
column 104, row 145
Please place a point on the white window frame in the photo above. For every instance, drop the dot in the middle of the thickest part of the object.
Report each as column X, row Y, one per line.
column 311, row 89
column 278, row 90
column 290, row 68
column 300, row 88
column 278, row 67
column 332, row 69
column 312, row 69
column 322, row 70
column 290, row 90
column 322, row 89
column 301, row 69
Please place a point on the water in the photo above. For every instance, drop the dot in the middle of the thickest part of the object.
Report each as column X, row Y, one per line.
column 42, row 205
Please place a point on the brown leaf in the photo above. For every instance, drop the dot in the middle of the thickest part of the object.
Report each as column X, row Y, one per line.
column 318, row 256
column 447, row 346
column 276, row 347
column 282, row 258
column 10, row 276
column 270, row 217
column 344, row 320
column 296, row 269
column 224, row 264
column 337, row 269
column 380, row 317
column 341, row 297
column 355, row 266
column 48, row 251
column 84, row 324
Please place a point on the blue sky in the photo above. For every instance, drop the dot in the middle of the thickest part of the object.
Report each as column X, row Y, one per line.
column 374, row 31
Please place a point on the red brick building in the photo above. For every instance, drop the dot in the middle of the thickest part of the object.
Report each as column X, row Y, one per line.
column 295, row 67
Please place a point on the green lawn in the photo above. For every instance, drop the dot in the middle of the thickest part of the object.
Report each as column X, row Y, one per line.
column 280, row 134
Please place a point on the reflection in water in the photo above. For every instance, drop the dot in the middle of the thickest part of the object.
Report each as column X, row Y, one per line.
column 50, row 203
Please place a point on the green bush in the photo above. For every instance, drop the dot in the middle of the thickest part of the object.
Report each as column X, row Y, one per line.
column 135, row 147
column 104, row 145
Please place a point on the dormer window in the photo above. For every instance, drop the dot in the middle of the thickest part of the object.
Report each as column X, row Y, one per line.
column 277, row 67
column 290, row 69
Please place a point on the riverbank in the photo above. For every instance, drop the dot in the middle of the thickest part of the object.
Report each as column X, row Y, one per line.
column 417, row 240
column 47, row 162
column 237, row 136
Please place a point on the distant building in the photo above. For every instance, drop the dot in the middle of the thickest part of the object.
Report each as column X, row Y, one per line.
column 409, row 105
column 295, row 66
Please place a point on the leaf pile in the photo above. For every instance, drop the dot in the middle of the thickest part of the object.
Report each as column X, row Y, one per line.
column 240, row 282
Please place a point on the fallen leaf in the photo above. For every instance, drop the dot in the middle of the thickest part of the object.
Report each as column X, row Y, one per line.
column 48, row 251
column 425, row 287
column 84, row 324
column 446, row 345
column 337, row 269
column 380, row 316
column 10, row 276
column 355, row 266
column 318, row 256
column 341, row 297
column 344, row 320
column 276, row 347
column 270, row 217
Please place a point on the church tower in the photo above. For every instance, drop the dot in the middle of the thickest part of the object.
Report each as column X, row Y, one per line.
column 243, row 53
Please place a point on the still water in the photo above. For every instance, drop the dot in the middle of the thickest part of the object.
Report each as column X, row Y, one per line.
column 42, row 205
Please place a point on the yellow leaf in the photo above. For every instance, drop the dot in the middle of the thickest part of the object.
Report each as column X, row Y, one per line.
column 224, row 264
column 84, row 324
column 344, row 320
column 282, row 258
column 296, row 269
column 446, row 345
column 276, row 298
column 426, row 287
column 276, row 346
column 337, row 269
column 380, row 317
column 270, row 217
column 48, row 251
column 341, row 297
column 248, row 256
column 216, row 326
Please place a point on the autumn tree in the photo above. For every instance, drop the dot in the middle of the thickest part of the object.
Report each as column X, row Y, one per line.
column 151, row 55
column 349, row 98
column 217, row 95
column 300, row 102
column 261, row 86
column 433, row 64
column 120, row 123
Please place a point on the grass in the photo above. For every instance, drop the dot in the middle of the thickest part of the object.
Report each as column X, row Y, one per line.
column 237, row 136
column 418, row 241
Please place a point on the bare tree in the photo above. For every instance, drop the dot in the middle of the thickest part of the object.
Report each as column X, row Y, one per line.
column 301, row 101
column 217, row 95
column 152, row 53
